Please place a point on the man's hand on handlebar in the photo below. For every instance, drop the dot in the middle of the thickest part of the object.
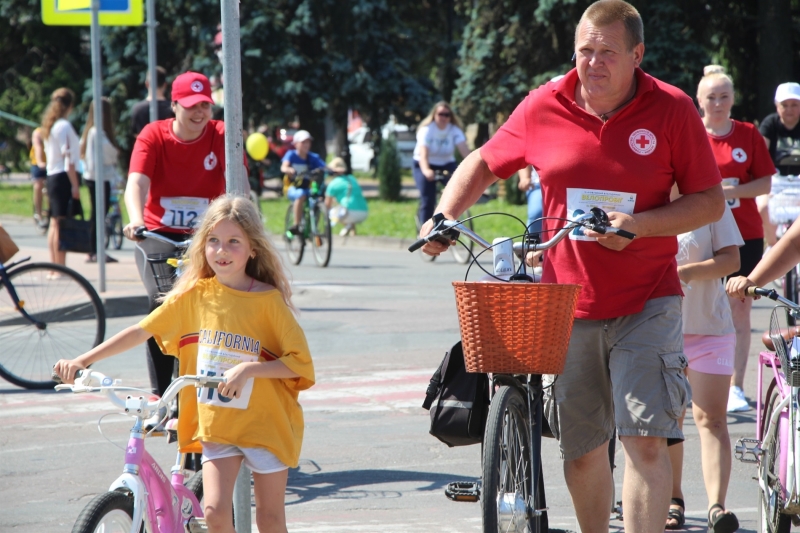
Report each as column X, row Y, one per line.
column 613, row 241
column 429, row 174
column 130, row 230
column 736, row 287
column 434, row 247
column 534, row 259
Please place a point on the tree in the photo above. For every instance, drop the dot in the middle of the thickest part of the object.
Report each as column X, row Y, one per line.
column 389, row 182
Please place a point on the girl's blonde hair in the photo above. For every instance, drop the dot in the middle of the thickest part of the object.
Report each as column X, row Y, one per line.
column 714, row 72
column 61, row 102
column 266, row 266
column 453, row 117
column 108, row 124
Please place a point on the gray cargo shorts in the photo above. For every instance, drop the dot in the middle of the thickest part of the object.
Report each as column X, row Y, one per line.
column 626, row 372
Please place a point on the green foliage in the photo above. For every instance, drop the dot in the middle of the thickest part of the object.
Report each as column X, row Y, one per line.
column 514, row 196
column 389, row 183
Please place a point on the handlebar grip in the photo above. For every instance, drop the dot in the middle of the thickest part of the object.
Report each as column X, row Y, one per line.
column 417, row 245
column 625, row 234
column 757, row 291
column 139, row 232
column 55, row 377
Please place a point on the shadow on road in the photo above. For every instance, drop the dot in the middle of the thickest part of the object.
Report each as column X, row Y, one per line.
column 309, row 483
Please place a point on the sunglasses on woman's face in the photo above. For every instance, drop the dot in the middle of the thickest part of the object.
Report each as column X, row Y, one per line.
column 443, row 114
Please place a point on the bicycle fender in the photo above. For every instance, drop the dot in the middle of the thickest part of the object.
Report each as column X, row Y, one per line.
column 134, row 484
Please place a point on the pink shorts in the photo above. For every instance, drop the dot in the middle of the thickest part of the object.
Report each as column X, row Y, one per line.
column 710, row 354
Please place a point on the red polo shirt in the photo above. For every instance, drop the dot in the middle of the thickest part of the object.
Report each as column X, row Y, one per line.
column 634, row 158
column 184, row 176
column 743, row 155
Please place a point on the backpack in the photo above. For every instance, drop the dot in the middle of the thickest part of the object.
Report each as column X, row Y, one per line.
column 458, row 401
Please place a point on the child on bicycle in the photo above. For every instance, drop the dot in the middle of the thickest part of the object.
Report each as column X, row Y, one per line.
column 295, row 162
column 230, row 314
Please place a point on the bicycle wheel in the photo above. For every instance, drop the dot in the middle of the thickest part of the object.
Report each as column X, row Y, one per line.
column 506, row 494
column 111, row 512
column 460, row 253
column 295, row 244
column 195, row 485
column 116, row 232
column 72, row 317
column 772, row 468
column 321, row 242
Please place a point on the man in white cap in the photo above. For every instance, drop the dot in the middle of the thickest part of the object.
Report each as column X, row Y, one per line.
column 782, row 132
column 294, row 164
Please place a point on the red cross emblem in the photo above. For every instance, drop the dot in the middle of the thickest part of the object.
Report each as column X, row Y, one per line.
column 642, row 141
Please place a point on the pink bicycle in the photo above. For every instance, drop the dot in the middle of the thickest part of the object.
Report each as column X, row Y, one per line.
column 143, row 496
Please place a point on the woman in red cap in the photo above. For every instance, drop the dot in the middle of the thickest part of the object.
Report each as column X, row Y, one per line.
column 177, row 168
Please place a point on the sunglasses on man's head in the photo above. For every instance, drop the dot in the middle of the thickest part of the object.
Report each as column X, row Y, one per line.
column 443, row 114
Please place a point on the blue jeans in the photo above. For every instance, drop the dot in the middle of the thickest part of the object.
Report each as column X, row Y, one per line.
column 427, row 189
column 535, row 209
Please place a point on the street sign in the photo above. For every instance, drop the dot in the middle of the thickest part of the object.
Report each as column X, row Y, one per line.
column 79, row 12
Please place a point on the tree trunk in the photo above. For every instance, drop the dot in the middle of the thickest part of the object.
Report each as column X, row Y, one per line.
column 775, row 50
column 313, row 122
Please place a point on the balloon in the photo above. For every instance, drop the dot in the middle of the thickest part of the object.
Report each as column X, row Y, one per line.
column 257, row 146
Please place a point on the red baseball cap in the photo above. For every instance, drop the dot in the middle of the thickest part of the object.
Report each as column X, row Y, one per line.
column 191, row 88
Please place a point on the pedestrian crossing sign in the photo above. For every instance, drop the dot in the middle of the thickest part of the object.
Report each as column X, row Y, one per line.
column 79, row 12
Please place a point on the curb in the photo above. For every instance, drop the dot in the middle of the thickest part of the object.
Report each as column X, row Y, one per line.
column 122, row 306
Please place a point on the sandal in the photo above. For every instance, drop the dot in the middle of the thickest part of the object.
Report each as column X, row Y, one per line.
column 676, row 514
column 721, row 521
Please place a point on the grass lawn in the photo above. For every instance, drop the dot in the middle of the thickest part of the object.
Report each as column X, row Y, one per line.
column 388, row 219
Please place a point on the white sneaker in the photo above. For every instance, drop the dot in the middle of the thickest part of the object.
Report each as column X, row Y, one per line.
column 737, row 403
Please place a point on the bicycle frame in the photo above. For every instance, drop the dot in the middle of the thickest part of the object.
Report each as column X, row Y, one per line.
column 164, row 504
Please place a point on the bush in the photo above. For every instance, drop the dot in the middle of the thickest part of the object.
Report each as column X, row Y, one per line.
column 514, row 196
column 389, row 179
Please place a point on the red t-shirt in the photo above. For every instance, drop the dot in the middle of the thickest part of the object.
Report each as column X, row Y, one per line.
column 630, row 162
column 184, row 176
column 743, row 155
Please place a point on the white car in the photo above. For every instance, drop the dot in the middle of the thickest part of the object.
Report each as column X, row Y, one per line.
column 362, row 153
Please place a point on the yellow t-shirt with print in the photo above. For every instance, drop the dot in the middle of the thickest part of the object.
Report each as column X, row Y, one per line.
column 212, row 328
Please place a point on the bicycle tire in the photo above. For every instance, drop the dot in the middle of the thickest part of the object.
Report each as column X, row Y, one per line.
column 116, row 232
column 110, row 512
column 70, row 308
column 770, row 505
column 295, row 244
column 463, row 253
column 321, row 240
column 506, row 466
column 195, row 485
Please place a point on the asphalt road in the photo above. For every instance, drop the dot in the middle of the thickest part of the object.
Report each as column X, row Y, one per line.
column 378, row 321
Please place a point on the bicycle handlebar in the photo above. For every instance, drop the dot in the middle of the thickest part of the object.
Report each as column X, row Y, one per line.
column 142, row 233
column 447, row 230
column 94, row 381
column 772, row 294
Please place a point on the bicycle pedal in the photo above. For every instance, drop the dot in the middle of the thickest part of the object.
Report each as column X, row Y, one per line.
column 197, row 525
column 744, row 452
column 463, row 491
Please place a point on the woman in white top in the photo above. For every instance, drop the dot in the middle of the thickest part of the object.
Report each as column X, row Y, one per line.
column 110, row 175
column 438, row 137
column 62, row 148
column 705, row 256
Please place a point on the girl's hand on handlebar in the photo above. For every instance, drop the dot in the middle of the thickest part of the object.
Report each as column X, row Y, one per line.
column 66, row 369
column 736, row 287
column 130, row 230
column 613, row 241
column 236, row 379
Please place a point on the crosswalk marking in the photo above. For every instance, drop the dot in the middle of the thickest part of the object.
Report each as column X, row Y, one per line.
column 370, row 391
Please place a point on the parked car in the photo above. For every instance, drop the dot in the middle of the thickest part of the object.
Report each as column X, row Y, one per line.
column 362, row 153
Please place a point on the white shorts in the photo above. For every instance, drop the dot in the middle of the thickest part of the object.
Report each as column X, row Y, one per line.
column 351, row 217
column 258, row 460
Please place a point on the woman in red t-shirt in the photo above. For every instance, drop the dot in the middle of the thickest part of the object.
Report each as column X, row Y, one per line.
column 177, row 168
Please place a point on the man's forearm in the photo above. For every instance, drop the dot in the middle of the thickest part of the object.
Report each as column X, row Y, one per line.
column 470, row 179
column 687, row 213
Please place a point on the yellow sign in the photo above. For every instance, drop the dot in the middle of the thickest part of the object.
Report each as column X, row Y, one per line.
column 79, row 13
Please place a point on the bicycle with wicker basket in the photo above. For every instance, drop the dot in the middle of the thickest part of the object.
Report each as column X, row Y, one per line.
column 165, row 266
column 784, row 210
column 515, row 330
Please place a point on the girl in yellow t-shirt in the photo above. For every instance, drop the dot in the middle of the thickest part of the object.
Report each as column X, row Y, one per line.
column 230, row 314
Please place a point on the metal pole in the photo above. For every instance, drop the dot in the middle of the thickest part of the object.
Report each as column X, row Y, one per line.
column 151, row 57
column 99, row 184
column 232, row 85
column 234, row 183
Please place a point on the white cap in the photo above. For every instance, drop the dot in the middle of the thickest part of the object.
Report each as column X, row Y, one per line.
column 300, row 136
column 787, row 91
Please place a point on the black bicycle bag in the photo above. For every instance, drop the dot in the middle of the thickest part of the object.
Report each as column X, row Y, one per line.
column 458, row 401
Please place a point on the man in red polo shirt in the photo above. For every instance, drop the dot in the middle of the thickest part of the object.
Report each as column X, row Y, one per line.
column 609, row 133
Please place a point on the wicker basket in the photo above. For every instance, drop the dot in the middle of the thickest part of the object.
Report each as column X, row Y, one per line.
column 515, row 328
column 163, row 272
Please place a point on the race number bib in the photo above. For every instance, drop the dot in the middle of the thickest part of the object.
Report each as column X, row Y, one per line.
column 581, row 201
column 183, row 212
column 733, row 203
column 214, row 361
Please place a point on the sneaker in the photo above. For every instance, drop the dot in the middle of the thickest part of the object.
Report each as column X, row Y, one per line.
column 344, row 232
column 156, row 422
column 737, row 403
column 294, row 230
